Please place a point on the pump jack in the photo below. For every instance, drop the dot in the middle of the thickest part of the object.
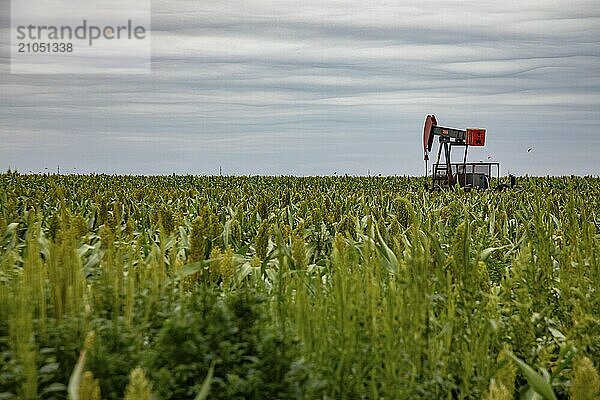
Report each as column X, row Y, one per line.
column 445, row 173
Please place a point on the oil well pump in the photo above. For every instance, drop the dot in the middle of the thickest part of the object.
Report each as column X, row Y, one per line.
column 444, row 172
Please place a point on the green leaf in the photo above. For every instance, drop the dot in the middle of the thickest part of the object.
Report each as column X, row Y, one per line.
column 531, row 394
column 192, row 268
column 75, row 380
column 557, row 334
column 54, row 387
column 565, row 359
column 244, row 270
column 11, row 228
column 535, row 380
column 226, row 235
column 205, row 389
column 49, row 368
column 391, row 263
column 487, row 252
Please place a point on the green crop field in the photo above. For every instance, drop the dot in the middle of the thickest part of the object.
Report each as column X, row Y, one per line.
column 186, row 287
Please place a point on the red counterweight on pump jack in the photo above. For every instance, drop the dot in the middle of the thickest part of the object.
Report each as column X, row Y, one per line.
column 446, row 173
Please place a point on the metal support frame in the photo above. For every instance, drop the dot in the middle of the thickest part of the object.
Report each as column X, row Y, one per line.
column 444, row 172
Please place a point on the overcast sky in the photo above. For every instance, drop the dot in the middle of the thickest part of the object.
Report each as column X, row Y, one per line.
column 318, row 87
